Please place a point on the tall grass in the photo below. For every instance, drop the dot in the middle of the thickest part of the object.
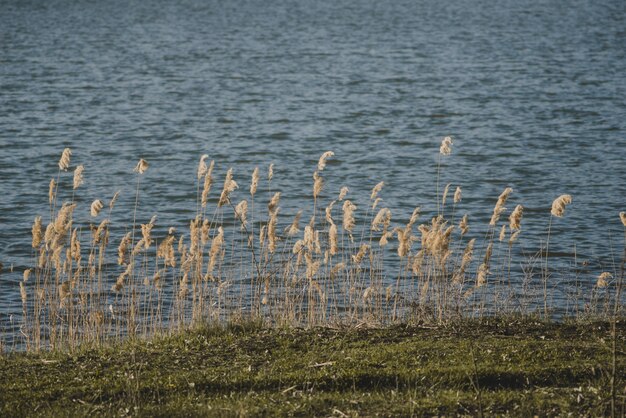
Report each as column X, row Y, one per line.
column 241, row 258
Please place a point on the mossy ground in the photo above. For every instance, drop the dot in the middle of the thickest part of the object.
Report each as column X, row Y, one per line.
column 490, row 367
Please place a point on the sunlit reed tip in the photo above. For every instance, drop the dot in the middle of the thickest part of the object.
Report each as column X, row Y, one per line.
column 457, row 194
column 114, row 200
column 342, row 193
column 446, row 146
column 78, row 176
column 516, row 218
column 622, row 216
column 558, row 206
column 603, row 279
column 202, row 167
column 96, row 207
column 255, row 181
column 376, row 190
column 141, row 166
column 64, row 162
column 322, row 161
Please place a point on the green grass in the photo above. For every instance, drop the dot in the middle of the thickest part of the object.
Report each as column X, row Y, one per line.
column 496, row 367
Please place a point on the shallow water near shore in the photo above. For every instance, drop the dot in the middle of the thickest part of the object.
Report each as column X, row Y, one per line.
column 532, row 93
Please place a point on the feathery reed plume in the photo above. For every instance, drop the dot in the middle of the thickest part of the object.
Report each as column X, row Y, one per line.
column 336, row 269
column 202, row 167
column 272, row 206
column 348, row 216
column 229, row 186
column 101, row 234
column 445, row 194
column 483, row 272
column 271, row 230
column 516, row 218
column 622, row 216
column 51, row 190
column 114, row 200
column 446, row 146
column 457, row 194
column 255, row 181
column 293, row 229
column 78, row 176
column 96, row 207
column 309, row 237
column 376, row 202
column 329, row 212
column 514, row 236
column 459, row 275
column 166, row 251
column 318, row 184
column 463, row 225
column 64, row 219
column 37, row 232
column 603, row 279
column 404, row 241
column 499, row 208
column 342, row 193
column 216, row 249
column 502, row 233
column 123, row 248
column 146, row 230
column 75, row 245
column 270, row 172
column 558, row 206
column 358, row 257
column 381, row 220
column 64, row 162
column 376, row 190
column 208, row 181
column 204, row 231
column 414, row 217
column 27, row 273
column 322, row 162
column 241, row 211
column 23, row 294
column 332, row 239
column 141, row 166
column 119, row 283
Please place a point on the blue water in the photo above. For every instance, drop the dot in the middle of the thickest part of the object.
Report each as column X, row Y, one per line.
column 531, row 91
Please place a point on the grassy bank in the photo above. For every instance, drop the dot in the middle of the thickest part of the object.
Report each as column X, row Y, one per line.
column 498, row 367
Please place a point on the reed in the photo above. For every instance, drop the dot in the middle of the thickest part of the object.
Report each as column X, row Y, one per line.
column 242, row 261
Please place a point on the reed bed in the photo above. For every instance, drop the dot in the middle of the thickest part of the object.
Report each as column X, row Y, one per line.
column 241, row 259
